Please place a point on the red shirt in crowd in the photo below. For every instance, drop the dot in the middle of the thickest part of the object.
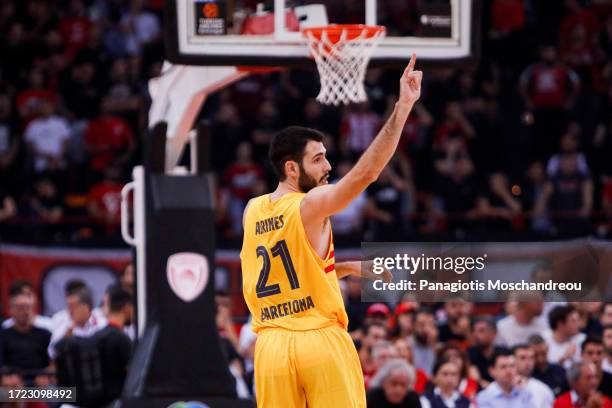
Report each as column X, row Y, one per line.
column 570, row 400
column 507, row 15
column 549, row 86
column 110, row 131
column 75, row 32
column 240, row 178
column 585, row 18
column 107, row 196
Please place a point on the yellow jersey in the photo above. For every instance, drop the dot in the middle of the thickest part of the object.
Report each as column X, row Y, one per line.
column 285, row 282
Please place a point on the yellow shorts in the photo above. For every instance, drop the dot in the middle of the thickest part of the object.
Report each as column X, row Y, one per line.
column 315, row 369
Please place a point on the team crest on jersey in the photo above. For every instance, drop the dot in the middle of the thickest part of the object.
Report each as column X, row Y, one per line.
column 188, row 274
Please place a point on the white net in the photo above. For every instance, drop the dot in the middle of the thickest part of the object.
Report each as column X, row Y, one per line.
column 342, row 64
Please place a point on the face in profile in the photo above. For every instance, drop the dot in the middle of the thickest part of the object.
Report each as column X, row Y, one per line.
column 315, row 168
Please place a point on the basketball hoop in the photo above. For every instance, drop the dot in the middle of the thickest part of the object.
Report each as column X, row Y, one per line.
column 342, row 53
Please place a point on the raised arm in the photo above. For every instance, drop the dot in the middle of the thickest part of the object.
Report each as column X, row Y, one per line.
column 324, row 201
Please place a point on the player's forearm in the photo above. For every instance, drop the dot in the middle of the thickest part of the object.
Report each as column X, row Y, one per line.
column 378, row 154
column 347, row 268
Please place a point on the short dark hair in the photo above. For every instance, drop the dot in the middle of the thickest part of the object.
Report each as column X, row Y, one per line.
column 118, row 298
column 484, row 319
column 521, row 346
column 590, row 340
column 424, row 310
column 535, row 339
column 289, row 144
column 17, row 287
column 72, row 286
column 558, row 315
column 440, row 362
column 84, row 296
column 367, row 327
column 498, row 354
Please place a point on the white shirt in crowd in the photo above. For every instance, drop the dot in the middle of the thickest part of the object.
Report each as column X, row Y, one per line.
column 510, row 333
column 349, row 220
column 93, row 325
column 543, row 396
column 556, row 349
column 42, row 322
column 607, row 365
column 47, row 136
column 62, row 317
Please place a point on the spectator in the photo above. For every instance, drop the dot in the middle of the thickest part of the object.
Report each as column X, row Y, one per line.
column 127, row 278
column 382, row 352
column 348, row 223
column 74, row 27
column 104, row 200
column 549, row 89
column 385, row 205
column 503, row 391
column 445, row 394
column 570, row 143
column 44, row 204
column 141, row 26
column 457, row 326
column 62, row 317
column 607, row 341
column 483, row 349
column 239, row 178
column 373, row 333
column 8, row 209
column 404, row 321
column 455, row 125
column 24, row 346
column 468, row 386
column 355, row 308
column 12, row 379
column 543, row 396
column 522, row 323
column 115, row 346
column 582, row 377
column 551, row 374
column 10, row 142
column 30, row 100
column 359, row 127
column 109, row 140
column 564, row 338
column 83, row 323
column 496, row 205
column 25, row 287
column 47, row 138
column 593, row 350
column 392, row 387
column 425, row 340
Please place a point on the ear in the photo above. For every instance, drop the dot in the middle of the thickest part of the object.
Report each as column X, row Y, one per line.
column 292, row 169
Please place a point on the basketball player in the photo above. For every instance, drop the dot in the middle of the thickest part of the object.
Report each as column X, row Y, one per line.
column 304, row 356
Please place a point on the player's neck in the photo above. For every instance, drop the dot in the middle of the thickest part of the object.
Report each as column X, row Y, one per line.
column 284, row 187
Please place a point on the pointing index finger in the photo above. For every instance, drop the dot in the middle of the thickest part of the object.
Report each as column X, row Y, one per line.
column 411, row 64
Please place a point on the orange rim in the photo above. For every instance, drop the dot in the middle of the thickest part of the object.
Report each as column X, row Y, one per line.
column 334, row 31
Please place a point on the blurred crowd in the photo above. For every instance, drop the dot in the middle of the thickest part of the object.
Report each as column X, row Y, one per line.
column 530, row 354
column 513, row 146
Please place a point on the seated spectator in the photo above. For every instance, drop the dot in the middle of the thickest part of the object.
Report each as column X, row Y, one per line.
column 392, row 387
column 25, row 287
column 240, row 178
column 359, row 127
column 593, row 350
column 522, row 323
column 404, row 352
column 503, row 391
column 425, row 340
column 30, row 100
column 445, row 393
column 348, row 223
column 496, row 205
column 24, row 346
column 551, row 374
column 385, row 205
column 468, row 384
column 115, row 346
column 45, row 205
column 105, row 200
column 373, row 333
column 382, row 352
column 564, row 338
column 457, row 326
column 82, row 323
column 570, row 144
column 11, row 378
column 455, row 125
column 568, row 197
column 47, row 138
column 109, row 140
column 607, row 341
column 582, row 377
column 543, row 396
column 404, row 321
column 483, row 348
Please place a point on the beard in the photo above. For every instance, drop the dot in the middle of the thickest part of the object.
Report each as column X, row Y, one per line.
column 306, row 182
